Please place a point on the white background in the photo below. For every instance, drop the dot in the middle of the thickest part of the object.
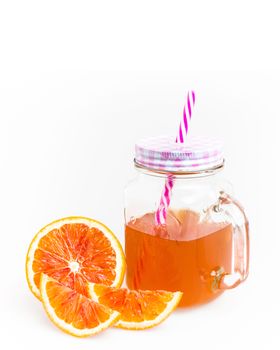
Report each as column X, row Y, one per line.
column 80, row 82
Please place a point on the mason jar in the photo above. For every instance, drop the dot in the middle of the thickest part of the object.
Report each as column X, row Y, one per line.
column 184, row 230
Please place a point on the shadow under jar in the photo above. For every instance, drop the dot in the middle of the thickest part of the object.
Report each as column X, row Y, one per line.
column 202, row 246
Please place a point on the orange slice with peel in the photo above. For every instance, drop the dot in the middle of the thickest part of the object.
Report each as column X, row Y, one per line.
column 75, row 251
column 139, row 309
column 72, row 312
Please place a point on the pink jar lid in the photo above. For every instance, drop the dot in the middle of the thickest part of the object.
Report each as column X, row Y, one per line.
column 164, row 154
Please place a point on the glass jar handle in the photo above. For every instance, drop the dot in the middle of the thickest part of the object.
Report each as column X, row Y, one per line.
column 240, row 252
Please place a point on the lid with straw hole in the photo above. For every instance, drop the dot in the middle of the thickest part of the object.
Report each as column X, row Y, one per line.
column 164, row 154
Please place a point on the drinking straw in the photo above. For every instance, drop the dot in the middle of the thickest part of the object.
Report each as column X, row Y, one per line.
column 161, row 213
column 187, row 116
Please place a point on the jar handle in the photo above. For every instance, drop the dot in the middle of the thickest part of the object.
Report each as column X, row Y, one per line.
column 240, row 247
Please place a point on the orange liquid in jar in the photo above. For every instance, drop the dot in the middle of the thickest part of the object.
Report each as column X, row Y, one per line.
column 178, row 256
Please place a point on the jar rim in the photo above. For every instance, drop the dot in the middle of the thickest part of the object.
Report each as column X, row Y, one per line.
column 180, row 174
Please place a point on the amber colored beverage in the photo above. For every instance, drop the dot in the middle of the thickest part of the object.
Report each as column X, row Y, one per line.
column 186, row 255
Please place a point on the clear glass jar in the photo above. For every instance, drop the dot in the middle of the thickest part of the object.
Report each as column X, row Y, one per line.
column 201, row 249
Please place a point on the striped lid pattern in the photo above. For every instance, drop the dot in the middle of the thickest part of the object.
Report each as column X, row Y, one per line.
column 164, row 154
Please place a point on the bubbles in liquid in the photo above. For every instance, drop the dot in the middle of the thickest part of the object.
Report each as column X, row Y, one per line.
column 132, row 220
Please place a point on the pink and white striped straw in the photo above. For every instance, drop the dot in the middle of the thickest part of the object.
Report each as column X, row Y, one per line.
column 161, row 213
column 187, row 116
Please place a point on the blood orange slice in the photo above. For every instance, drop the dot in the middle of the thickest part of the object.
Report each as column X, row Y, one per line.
column 139, row 309
column 74, row 251
column 73, row 312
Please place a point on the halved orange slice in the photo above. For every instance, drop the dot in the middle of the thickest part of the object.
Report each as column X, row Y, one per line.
column 72, row 312
column 74, row 251
column 139, row 309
